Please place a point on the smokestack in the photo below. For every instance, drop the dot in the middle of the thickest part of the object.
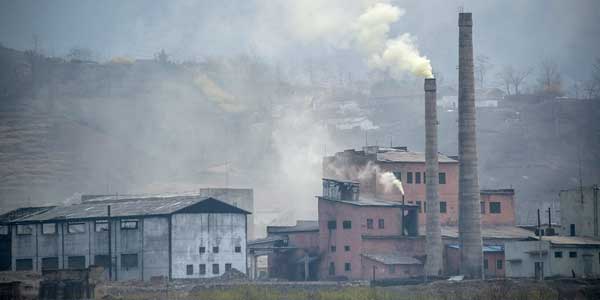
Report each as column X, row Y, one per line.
column 433, row 265
column 469, row 221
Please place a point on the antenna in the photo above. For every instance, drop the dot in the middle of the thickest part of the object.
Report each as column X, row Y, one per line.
column 580, row 177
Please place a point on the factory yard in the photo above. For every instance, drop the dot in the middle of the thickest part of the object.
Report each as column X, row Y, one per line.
column 275, row 290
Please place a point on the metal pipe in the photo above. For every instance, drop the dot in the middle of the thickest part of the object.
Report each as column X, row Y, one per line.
column 109, row 244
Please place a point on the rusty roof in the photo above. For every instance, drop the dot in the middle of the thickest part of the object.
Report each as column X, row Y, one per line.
column 392, row 259
column 492, row 232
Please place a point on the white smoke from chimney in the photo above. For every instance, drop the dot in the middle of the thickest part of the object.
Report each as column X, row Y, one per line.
column 389, row 182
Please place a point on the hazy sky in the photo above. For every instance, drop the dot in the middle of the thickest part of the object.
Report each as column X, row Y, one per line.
column 519, row 32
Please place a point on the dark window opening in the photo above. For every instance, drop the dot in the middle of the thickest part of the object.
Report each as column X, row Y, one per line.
column 558, row 254
column 101, row 261
column 202, row 269
column 215, row 249
column 331, row 269
column 482, row 204
column 129, row 224
column 398, row 175
column 572, row 230
column 76, row 262
column 442, row 177
column 24, row 229
column 443, row 208
column 347, row 224
column 227, row 267
column 101, row 225
column 485, row 264
column 381, row 223
column 129, row 261
column 499, row 264
column 347, row 267
column 369, row 223
column 424, row 177
column 495, row 208
column 333, row 248
column 49, row 263
column 417, row 177
column 331, row 225
column 3, row 230
column 202, row 249
column 420, row 209
column 189, row 269
column 347, row 248
column 392, row 269
column 25, row 264
column 573, row 254
column 409, row 177
column 238, row 249
column 215, row 269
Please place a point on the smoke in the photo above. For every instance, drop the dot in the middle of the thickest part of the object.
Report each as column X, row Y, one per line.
column 216, row 94
column 389, row 182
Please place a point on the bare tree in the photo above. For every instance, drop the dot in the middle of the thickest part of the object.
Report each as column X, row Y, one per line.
column 511, row 77
column 482, row 67
column 549, row 78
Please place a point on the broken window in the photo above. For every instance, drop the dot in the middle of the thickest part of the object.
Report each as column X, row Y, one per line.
column 499, row 264
column 409, row 177
column 227, row 267
column 102, row 261
column 347, row 267
column 333, row 248
column 347, row 248
column 442, row 177
column 398, row 175
column 485, row 264
column 443, row 208
column 381, row 223
column 202, row 249
column 101, row 225
column 3, row 230
column 417, row 177
column 25, row 264
column 572, row 229
column 189, row 270
column 202, row 269
column 331, row 269
column 495, row 208
column 76, row 227
column 49, row 228
column 76, row 262
column 49, row 263
column 238, row 249
column 129, row 224
column 558, row 254
column 573, row 254
column 215, row 249
column 129, row 261
column 331, row 225
column 347, row 224
column 369, row 223
column 24, row 229
column 215, row 269
column 424, row 177
column 482, row 204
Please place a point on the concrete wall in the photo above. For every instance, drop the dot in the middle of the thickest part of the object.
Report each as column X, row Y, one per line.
column 156, row 247
column 191, row 231
column 388, row 271
column 583, row 213
column 242, row 198
column 507, row 209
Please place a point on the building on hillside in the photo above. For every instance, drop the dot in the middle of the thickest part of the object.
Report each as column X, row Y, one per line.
column 173, row 236
column 580, row 211
column 553, row 256
column 367, row 165
column 366, row 238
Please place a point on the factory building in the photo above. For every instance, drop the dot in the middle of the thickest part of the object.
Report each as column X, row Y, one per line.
column 580, row 211
column 142, row 237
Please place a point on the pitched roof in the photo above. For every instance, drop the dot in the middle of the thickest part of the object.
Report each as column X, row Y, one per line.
column 492, row 232
column 133, row 207
column 301, row 226
column 409, row 156
column 22, row 212
column 392, row 259
column 570, row 240
column 486, row 248
column 366, row 202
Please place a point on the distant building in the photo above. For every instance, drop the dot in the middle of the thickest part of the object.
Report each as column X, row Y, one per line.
column 238, row 197
column 554, row 256
column 173, row 236
column 580, row 211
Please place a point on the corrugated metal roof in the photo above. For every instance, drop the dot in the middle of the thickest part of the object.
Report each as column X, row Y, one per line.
column 571, row 240
column 371, row 202
column 121, row 208
column 301, row 226
column 492, row 232
column 392, row 259
column 486, row 248
column 410, row 156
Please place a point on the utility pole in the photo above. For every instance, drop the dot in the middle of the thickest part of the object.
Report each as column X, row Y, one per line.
column 109, row 245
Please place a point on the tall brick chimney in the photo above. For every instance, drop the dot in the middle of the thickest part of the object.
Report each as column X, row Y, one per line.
column 469, row 218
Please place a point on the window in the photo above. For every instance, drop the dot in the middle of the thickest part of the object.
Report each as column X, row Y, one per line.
column 129, row 224
column 129, row 261
column 3, row 230
column 238, row 249
column 101, row 225
column 381, row 223
column 331, row 269
column 424, row 177
column 215, row 249
column 443, row 208
column 25, row 264
column 495, row 208
column 482, row 204
column 398, row 175
column 202, row 269
column 333, row 248
column 102, row 261
column 347, row 248
column 499, row 264
column 573, row 254
column 409, row 177
column 425, row 206
column 420, row 208
column 442, row 177
column 76, row 228
column 49, row 263
column 76, row 262
column 485, row 264
column 347, row 224
column 347, row 267
column 369, row 223
column 227, row 267
column 202, row 249
column 392, row 269
column 49, row 228
column 189, row 270
column 331, row 225
column 215, row 269
column 24, row 229
column 558, row 254
column 417, row 177
column 571, row 229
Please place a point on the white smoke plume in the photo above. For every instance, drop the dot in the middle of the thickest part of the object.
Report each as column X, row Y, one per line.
column 389, row 182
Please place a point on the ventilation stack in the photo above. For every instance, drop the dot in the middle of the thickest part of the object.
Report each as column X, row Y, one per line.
column 469, row 218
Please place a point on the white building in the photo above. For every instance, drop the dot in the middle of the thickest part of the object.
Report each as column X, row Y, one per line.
column 580, row 211
column 173, row 236
column 560, row 256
